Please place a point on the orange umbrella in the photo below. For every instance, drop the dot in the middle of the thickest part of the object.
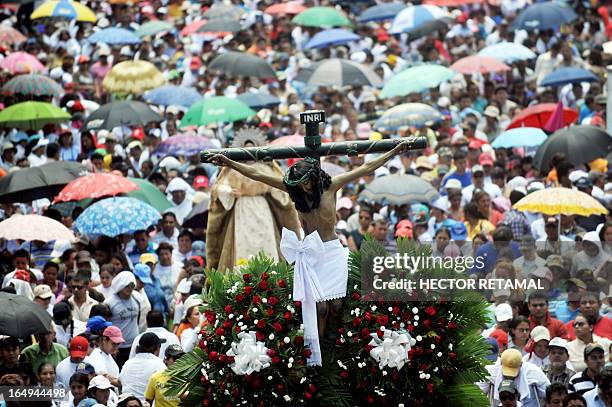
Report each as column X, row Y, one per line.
column 95, row 186
column 538, row 115
column 477, row 63
column 283, row 9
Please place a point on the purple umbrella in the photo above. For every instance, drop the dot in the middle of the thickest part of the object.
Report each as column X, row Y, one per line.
column 183, row 144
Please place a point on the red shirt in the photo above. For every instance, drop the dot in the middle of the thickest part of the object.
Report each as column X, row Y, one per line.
column 602, row 328
column 555, row 327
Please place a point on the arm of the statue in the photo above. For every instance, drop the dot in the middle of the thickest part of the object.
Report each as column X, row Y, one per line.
column 250, row 172
column 340, row 180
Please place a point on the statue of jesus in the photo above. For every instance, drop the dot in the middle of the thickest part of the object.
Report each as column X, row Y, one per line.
column 321, row 280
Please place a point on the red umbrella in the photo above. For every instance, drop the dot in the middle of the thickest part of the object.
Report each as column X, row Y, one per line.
column 282, row 9
column 192, row 28
column 451, row 3
column 293, row 140
column 96, row 185
column 476, row 63
column 538, row 115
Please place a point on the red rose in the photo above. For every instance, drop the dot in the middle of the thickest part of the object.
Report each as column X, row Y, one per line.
column 247, row 290
column 365, row 333
column 307, row 395
column 280, row 389
column 262, row 285
column 272, row 353
column 264, row 276
column 411, row 354
column 298, row 304
column 259, row 336
column 261, row 324
column 306, row 353
column 396, row 310
column 213, row 355
column 382, row 320
column 430, row 311
column 430, row 388
column 287, row 315
column 282, row 283
column 256, row 299
column 312, row 388
column 368, row 316
column 227, row 324
column 219, row 331
column 272, row 301
column 239, row 297
column 277, row 327
column 452, row 355
column 344, row 374
column 356, row 321
column 246, row 278
column 427, row 323
column 452, row 325
column 341, row 331
column 356, row 296
column 230, row 360
column 228, row 308
column 275, row 359
column 237, row 329
column 298, row 340
column 410, row 328
column 269, row 311
column 370, row 399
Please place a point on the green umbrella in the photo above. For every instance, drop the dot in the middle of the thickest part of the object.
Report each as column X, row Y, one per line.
column 150, row 194
column 321, row 17
column 32, row 85
column 215, row 110
column 416, row 79
column 153, row 27
column 32, row 115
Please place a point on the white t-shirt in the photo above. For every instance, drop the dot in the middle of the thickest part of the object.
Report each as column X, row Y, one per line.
column 162, row 333
column 137, row 371
column 66, row 368
column 104, row 363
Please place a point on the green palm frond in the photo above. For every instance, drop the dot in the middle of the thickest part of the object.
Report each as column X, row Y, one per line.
column 465, row 395
column 184, row 373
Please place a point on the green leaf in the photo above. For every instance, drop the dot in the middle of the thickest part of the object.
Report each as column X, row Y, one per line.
column 185, row 372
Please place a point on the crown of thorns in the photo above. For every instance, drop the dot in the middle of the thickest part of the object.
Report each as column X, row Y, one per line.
column 312, row 171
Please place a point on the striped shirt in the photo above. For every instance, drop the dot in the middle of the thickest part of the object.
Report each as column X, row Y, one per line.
column 581, row 383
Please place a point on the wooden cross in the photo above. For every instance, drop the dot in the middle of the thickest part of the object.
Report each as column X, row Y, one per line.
column 312, row 145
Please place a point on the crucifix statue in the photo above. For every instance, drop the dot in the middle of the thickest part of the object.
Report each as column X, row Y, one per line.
column 321, row 262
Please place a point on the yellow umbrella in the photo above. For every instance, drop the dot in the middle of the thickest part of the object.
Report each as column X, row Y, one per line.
column 564, row 201
column 133, row 77
column 65, row 9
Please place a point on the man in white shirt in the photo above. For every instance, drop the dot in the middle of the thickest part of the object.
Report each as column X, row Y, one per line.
column 169, row 233
column 137, row 371
column 66, row 327
column 80, row 300
column 102, row 357
column 37, row 157
column 155, row 324
column 78, row 355
column 478, row 182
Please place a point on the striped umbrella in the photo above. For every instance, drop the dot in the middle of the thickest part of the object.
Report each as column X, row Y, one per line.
column 133, row 77
column 71, row 10
column 10, row 36
column 338, row 72
column 32, row 85
column 412, row 17
column 114, row 36
column 407, row 115
column 21, row 62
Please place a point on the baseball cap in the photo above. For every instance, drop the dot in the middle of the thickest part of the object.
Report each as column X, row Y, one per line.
column 61, row 312
column 142, row 272
column 85, row 368
column 114, row 334
column 201, row 181
column 458, row 231
column 477, row 168
column 423, row 162
column 198, row 259
column 198, row 248
column 174, row 351
column 485, row 159
column 592, row 347
column 43, row 291
column 542, row 272
column 503, row 312
column 491, row 111
column 554, row 260
column 452, row 184
column 494, row 349
column 97, row 324
column 148, row 258
column 551, row 220
column 540, row 333
column 559, row 343
column 78, row 347
column 511, row 362
column 344, row 203
column 88, row 402
column 150, row 340
column 577, row 282
column 100, row 382
column 583, row 183
column 441, row 204
column 507, row 386
column 22, row 275
column 83, row 257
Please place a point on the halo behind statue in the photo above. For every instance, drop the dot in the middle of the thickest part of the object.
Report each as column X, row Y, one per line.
column 249, row 134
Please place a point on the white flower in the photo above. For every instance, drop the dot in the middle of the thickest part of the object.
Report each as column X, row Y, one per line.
column 289, row 365
column 382, row 328
column 439, row 354
column 222, row 337
column 255, row 309
column 384, row 372
column 416, row 318
column 264, row 300
column 240, row 323
column 374, row 307
column 415, row 310
column 271, row 337
column 291, row 360
column 433, row 346
column 427, row 376
column 255, row 322
column 450, row 346
column 286, row 339
column 392, row 349
column 243, row 328
column 302, row 380
column 415, row 323
column 270, row 377
column 419, row 338
column 287, row 398
column 422, row 375
column 249, row 355
column 349, row 334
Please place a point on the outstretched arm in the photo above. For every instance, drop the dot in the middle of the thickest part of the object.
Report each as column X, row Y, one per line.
column 249, row 171
column 340, row 180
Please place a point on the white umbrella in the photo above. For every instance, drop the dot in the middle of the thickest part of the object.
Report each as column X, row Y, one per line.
column 34, row 227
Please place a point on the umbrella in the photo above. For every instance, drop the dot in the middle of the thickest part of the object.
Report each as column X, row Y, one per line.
column 507, row 52
column 331, row 37
column 32, row 85
column 21, row 317
column 538, row 115
column 416, row 79
column 34, row 227
column 520, row 137
column 10, row 36
column 544, row 16
column 221, row 26
column 381, row 12
column 124, row 113
column 561, row 201
column 95, row 186
column 45, row 181
column 32, row 115
column 412, row 17
column 321, row 17
column 338, row 72
column 215, row 110
column 428, row 27
column 242, row 64
column 197, row 218
column 332, row 169
column 479, row 64
column 258, row 100
column 21, row 62
column 149, row 194
column 400, row 189
column 282, row 9
column 153, row 27
column 192, row 27
column 168, row 95
column 563, row 76
column 65, row 9
column 114, row 36
column 581, row 144
column 451, row 3
column 292, row 140
column 116, row 216
column 407, row 115
column 133, row 77
column 222, row 11
column 184, row 145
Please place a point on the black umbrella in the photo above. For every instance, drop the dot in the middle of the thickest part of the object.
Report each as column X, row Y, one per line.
column 242, row 64
column 20, row 317
column 580, row 144
column 45, row 181
column 125, row 113
column 259, row 100
column 428, row 27
column 224, row 25
column 338, row 72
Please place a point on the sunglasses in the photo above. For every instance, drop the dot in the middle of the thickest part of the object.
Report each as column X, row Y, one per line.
column 577, row 324
column 76, row 287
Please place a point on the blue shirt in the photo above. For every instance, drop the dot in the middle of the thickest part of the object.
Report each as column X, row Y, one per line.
column 562, row 312
column 135, row 253
column 465, row 179
column 156, row 296
column 592, row 398
column 487, row 253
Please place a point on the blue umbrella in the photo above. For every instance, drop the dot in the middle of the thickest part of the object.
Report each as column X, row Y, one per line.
column 259, row 100
column 381, row 12
column 507, row 52
column 173, row 95
column 334, row 36
column 115, row 216
column 544, row 16
column 114, row 36
column 520, row 137
column 412, row 17
column 564, row 76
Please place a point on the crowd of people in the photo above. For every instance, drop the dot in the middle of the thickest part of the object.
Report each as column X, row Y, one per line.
column 126, row 308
